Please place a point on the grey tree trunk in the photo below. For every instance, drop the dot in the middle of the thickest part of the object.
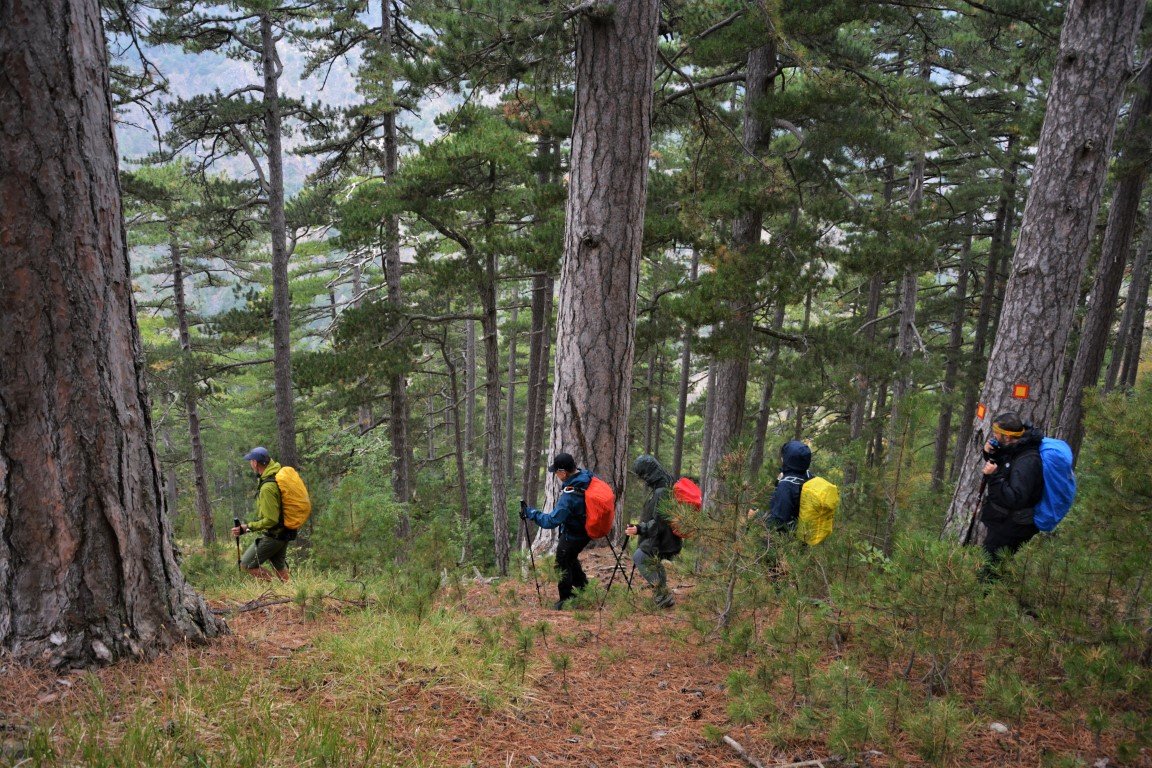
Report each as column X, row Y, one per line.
column 1003, row 227
column 493, row 418
column 510, row 417
column 685, row 380
column 1132, row 170
column 650, row 401
column 1126, row 352
column 1093, row 63
column 191, row 400
column 470, row 385
column 1136, row 339
column 453, row 411
column 705, row 437
column 906, row 337
column 277, row 230
column 400, row 413
column 595, row 335
column 952, row 362
column 537, row 386
column 756, row 460
column 88, row 574
column 730, row 369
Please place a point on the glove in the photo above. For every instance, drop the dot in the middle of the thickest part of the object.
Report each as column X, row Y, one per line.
column 523, row 510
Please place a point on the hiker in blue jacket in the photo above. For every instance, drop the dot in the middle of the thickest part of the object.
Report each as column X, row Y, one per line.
column 784, row 508
column 1014, row 476
column 568, row 515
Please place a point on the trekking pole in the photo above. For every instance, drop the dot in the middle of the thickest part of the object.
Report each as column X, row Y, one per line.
column 975, row 511
column 531, row 555
column 618, row 565
column 236, row 524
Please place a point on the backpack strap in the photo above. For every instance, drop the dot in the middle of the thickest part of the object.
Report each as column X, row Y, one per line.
column 263, row 482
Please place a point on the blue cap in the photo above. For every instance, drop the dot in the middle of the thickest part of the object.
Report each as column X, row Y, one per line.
column 259, row 455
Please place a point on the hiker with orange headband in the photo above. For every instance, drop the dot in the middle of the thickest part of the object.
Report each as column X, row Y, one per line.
column 1015, row 484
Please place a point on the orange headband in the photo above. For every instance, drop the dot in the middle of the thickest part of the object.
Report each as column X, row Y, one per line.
column 1007, row 432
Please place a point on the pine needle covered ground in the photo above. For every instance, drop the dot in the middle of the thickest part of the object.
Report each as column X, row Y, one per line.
column 481, row 675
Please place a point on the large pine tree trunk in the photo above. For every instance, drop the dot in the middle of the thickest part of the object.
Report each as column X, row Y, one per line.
column 595, row 337
column 277, row 228
column 191, row 399
column 88, row 573
column 730, row 367
column 1093, row 62
column 1132, row 171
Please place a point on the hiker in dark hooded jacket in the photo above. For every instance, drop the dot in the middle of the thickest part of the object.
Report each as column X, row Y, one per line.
column 657, row 541
column 784, row 508
column 1015, row 484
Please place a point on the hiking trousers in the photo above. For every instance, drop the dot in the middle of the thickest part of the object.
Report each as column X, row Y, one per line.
column 648, row 562
column 1006, row 537
column 572, row 576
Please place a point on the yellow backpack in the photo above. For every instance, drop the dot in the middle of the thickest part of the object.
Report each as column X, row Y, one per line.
column 819, row 500
column 295, row 506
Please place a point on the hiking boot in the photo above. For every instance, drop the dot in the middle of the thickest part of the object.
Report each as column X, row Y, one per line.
column 561, row 605
column 664, row 600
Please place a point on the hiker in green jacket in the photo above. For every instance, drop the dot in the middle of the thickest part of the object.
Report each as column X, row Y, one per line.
column 657, row 540
column 271, row 545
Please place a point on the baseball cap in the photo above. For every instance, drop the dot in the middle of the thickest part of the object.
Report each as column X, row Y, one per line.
column 562, row 461
column 259, row 455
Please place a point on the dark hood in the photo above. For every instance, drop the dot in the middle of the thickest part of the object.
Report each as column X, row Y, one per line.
column 648, row 469
column 1031, row 439
column 795, row 457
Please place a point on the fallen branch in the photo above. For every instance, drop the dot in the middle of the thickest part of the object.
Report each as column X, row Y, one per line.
column 252, row 606
column 742, row 752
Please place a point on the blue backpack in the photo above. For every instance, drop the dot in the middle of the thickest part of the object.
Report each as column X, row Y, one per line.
column 1059, row 483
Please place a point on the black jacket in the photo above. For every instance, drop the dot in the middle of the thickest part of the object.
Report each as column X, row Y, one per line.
column 654, row 528
column 784, row 508
column 1017, row 485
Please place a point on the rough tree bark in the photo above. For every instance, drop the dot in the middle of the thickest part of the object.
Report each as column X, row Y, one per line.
column 1132, row 170
column 88, row 574
column 595, row 334
column 1093, row 63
